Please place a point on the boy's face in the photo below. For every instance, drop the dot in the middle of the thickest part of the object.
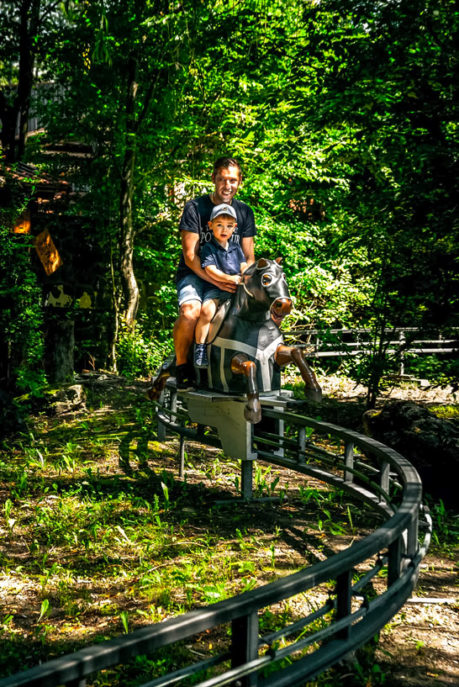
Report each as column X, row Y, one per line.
column 227, row 182
column 223, row 227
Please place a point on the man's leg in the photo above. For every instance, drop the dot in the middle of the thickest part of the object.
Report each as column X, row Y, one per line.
column 190, row 296
column 184, row 330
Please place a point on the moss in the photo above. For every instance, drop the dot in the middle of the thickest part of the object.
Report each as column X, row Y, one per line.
column 446, row 412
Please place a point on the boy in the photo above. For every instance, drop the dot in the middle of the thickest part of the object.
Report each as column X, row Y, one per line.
column 223, row 259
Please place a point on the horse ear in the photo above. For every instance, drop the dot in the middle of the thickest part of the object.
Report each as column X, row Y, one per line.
column 279, row 260
column 262, row 263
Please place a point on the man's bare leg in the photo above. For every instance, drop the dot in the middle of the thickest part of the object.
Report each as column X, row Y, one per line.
column 183, row 338
column 184, row 330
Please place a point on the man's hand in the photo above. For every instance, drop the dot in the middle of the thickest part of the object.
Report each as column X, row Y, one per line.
column 223, row 285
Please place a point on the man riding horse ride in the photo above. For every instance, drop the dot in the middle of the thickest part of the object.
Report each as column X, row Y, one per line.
column 246, row 348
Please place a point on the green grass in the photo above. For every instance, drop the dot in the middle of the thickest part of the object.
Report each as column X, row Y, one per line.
column 99, row 536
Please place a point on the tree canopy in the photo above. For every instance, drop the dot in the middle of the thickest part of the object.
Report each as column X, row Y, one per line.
column 342, row 114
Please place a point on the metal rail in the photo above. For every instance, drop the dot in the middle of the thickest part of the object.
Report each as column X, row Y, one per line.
column 297, row 652
column 399, row 342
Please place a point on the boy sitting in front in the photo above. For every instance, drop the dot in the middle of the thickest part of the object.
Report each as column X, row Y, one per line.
column 223, row 259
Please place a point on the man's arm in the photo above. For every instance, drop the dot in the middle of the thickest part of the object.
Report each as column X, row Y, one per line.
column 190, row 248
column 248, row 248
column 214, row 272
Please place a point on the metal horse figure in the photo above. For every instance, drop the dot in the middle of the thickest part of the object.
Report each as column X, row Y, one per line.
column 246, row 349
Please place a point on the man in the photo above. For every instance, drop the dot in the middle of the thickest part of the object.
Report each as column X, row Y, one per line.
column 190, row 277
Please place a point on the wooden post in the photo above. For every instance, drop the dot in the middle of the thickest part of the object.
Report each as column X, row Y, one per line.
column 395, row 557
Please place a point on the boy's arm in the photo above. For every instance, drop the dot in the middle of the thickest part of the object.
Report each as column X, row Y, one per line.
column 214, row 272
column 243, row 266
column 190, row 248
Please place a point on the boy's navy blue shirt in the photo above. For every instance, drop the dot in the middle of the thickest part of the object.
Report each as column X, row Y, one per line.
column 227, row 260
column 195, row 218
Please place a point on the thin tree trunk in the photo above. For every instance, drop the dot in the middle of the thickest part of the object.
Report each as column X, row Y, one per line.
column 130, row 287
column 116, row 324
column 8, row 117
column 18, row 106
column 30, row 12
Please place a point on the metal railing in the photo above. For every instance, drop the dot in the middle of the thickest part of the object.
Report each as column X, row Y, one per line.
column 351, row 615
column 399, row 342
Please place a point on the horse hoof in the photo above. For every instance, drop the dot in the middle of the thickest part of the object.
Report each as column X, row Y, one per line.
column 313, row 395
column 153, row 394
column 252, row 415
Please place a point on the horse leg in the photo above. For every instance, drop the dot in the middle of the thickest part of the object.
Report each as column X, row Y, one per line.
column 291, row 354
column 165, row 371
column 241, row 365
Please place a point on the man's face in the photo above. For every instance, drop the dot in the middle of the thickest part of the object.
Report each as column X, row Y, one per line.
column 227, row 182
column 223, row 227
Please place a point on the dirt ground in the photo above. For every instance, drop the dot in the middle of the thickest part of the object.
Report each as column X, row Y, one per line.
column 419, row 391
column 420, row 646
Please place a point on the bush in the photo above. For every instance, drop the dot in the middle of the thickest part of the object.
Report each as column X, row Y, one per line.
column 21, row 318
column 137, row 355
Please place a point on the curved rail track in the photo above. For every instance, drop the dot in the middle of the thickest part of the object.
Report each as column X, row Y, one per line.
column 351, row 614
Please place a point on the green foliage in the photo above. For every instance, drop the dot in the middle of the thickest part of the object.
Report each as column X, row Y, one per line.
column 437, row 369
column 342, row 116
column 21, row 317
column 139, row 356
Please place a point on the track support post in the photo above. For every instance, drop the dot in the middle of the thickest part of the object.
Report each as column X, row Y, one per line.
column 246, row 479
column 244, row 646
column 343, row 600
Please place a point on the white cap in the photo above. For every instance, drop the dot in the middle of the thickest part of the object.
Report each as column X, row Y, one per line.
column 223, row 209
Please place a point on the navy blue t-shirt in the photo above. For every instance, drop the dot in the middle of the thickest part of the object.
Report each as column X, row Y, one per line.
column 196, row 216
column 228, row 261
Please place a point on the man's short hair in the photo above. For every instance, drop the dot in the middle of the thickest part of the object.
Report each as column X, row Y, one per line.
column 225, row 163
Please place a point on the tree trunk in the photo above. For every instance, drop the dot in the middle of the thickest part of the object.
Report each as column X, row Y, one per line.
column 8, row 117
column 60, row 348
column 17, row 106
column 130, row 287
column 30, row 12
column 116, row 318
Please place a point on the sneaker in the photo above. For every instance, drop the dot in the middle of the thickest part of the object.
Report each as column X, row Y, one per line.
column 184, row 378
column 200, row 355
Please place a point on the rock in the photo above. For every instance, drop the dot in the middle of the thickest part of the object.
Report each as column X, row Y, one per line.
column 428, row 442
column 66, row 399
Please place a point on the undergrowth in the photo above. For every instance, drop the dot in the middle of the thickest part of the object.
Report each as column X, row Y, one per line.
column 100, row 537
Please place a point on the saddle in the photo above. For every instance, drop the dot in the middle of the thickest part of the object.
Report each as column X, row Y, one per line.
column 218, row 319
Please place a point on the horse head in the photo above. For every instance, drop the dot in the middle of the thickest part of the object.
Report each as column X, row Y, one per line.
column 263, row 292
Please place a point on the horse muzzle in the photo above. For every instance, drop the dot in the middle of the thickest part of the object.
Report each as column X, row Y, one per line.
column 280, row 308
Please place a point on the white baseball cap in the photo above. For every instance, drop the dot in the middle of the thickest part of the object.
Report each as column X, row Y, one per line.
column 223, row 209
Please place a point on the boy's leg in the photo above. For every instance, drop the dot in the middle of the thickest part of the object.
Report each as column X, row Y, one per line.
column 208, row 310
